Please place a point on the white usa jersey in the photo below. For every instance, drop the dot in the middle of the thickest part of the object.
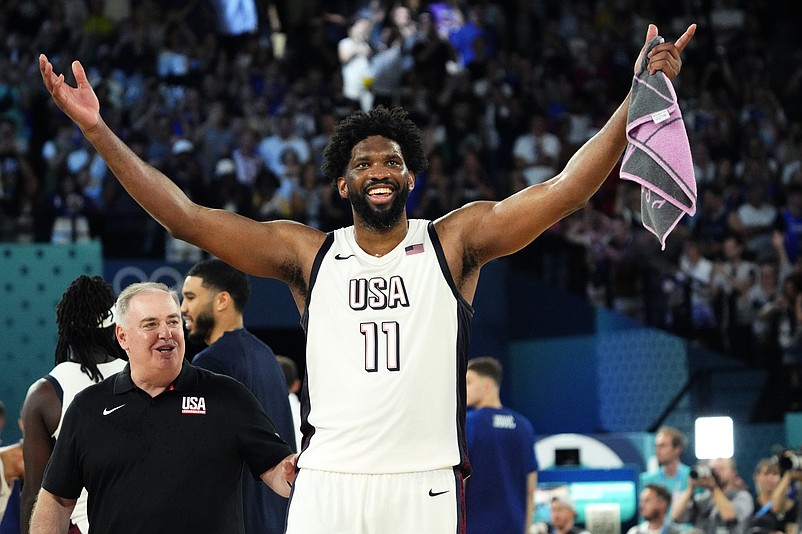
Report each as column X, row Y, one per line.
column 386, row 352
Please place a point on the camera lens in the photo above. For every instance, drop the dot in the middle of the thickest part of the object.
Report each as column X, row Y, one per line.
column 700, row 471
column 789, row 461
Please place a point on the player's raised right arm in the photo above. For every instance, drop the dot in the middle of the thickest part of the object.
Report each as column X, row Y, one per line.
column 264, row 249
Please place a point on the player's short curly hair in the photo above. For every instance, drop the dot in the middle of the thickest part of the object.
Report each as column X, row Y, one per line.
column 393, row 124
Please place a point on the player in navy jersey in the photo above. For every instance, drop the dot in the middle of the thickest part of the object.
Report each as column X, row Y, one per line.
column 499, row 496
column 386, row 303
column 214, row 296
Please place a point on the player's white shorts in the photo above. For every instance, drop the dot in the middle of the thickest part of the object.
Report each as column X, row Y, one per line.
column 426, row 502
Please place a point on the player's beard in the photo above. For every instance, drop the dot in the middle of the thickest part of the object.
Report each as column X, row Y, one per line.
column 202, row 326
column 381, row 217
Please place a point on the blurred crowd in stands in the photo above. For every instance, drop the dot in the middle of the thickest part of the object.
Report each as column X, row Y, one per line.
column 235, row 100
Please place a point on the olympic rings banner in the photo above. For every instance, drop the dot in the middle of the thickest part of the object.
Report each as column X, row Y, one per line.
column 270, row 306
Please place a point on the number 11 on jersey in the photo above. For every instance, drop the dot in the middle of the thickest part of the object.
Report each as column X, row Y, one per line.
column 390, row 340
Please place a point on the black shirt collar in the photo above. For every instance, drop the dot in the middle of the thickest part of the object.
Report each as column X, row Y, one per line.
column 187, row 379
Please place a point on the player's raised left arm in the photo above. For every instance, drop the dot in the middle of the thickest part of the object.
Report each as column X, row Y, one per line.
column 493, row 229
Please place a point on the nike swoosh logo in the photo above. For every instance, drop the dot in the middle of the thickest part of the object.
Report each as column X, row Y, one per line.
column 106, row 411
column 433, row 493
column 341, row 257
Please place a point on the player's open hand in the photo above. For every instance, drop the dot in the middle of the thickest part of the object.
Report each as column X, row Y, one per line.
column 665, row 57
column 79, row 103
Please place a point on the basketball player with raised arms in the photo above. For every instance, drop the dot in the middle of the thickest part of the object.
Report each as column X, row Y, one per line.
column 386, row 303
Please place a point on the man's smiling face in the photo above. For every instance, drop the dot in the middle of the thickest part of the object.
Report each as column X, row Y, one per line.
column 377, row 182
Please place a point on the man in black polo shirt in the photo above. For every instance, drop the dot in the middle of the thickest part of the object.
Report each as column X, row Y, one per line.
column 160, row 445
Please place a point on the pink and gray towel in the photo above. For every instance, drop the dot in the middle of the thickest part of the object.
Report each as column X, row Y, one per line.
column 658, row 155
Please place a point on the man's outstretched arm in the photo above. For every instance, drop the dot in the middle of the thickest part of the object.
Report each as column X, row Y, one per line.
column 265, row 249
column 493, row 229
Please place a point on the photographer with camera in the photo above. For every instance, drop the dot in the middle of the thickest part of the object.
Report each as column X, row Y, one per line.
column 721, row 507
column 774, row 511
column 785, row 498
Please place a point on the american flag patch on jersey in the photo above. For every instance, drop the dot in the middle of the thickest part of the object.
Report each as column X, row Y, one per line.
column 414, row 249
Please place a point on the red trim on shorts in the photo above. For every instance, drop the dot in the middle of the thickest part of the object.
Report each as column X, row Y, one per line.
column 460, row 482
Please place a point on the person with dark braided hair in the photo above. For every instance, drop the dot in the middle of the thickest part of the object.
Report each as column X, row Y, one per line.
column 385, row 303
column 86, row 352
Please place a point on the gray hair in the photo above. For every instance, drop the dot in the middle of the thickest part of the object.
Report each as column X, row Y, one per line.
column 123, row 304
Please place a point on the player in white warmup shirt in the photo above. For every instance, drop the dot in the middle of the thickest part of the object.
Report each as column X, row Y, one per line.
column 385, row 304
column 86, row 353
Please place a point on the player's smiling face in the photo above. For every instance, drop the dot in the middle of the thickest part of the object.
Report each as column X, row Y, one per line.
column 377, row 182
